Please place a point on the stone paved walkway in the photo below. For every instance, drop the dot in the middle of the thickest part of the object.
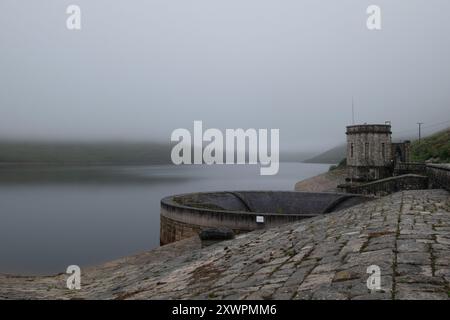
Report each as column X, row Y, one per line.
column 406, row 234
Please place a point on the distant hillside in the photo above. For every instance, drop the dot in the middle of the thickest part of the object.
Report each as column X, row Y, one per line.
column 334, row 155
column 98, row 153
column 84, row 153
column 435, row 148
column 292, row 156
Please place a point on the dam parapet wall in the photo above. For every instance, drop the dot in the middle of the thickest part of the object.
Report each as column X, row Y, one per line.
column 434, row 176
column 439, row 175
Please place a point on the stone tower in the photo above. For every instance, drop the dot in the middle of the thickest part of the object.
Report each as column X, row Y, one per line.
column 369, row 151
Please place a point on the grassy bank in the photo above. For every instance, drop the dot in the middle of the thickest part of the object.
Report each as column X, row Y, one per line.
column 435, row 147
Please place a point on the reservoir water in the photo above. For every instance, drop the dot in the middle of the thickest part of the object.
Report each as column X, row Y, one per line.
column 52, row 217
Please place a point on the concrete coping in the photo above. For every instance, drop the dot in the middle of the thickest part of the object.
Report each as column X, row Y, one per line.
column 442, row 166
column 333, row 201
column 369, row 128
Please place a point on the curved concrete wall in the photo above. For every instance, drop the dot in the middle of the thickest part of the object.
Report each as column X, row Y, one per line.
column 183, row 216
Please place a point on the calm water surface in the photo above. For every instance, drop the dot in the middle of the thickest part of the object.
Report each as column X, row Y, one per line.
column 52, row 217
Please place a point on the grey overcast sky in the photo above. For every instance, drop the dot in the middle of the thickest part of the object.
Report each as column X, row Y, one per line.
column 140, row 69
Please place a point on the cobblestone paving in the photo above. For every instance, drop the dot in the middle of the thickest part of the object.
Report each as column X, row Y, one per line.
column 406, row 234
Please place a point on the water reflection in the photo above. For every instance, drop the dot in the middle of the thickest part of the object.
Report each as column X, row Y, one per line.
column 55, row 216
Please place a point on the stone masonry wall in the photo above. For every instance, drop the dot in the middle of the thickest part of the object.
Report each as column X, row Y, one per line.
column 390, row 185
column 171, row 230
column 439, row 175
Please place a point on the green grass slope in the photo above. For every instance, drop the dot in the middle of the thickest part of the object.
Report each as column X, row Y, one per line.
column 435, row 147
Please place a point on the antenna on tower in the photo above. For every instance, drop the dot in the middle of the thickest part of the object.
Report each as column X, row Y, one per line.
column 353, row 111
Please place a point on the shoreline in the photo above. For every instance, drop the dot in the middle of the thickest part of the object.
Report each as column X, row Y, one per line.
column 325, row 182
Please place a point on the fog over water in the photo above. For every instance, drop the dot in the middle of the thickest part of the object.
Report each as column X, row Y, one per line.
column 138, row 70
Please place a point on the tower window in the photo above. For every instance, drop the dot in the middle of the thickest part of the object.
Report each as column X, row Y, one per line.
column 351, row 150
column 383, row 151
column 366, row 150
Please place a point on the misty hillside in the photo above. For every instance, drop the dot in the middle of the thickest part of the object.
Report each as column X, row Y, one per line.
column 334, row 155
column 98, row 153
column 435, row 147
column 84, row 153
